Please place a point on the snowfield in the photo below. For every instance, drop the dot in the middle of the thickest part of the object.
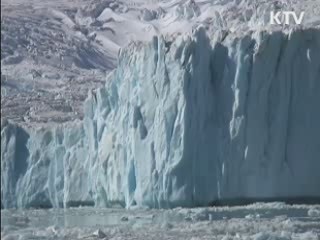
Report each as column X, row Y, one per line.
column 275, row 221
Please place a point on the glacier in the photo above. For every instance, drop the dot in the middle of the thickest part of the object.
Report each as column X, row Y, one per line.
column 182, row 121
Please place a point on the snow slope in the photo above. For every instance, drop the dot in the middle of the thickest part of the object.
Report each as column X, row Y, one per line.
column 185, row 121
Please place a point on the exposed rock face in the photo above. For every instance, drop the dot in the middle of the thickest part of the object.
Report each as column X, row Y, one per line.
column 182, row 123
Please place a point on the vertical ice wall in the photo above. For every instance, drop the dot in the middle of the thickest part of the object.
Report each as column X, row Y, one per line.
column 47, row 167
column 182, row 122
column 154, row 126
column 192, row 121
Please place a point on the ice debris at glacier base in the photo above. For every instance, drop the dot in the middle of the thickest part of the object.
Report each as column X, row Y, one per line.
column 276, row 222
column 182, row 122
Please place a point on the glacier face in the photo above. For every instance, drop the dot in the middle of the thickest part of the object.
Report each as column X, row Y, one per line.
column 44, row 167
column 182, row 122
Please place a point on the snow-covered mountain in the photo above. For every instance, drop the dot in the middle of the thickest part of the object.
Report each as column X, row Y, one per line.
column 208, row 103
column 53, row 52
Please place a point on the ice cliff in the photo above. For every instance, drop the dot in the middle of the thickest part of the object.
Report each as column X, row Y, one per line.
column 181, row 122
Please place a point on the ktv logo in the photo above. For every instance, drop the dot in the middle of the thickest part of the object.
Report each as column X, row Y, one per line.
column 286, row 18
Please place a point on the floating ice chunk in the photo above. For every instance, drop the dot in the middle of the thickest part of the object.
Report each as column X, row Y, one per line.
column 124, row 219
column 314, row 212
column 99, row 234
